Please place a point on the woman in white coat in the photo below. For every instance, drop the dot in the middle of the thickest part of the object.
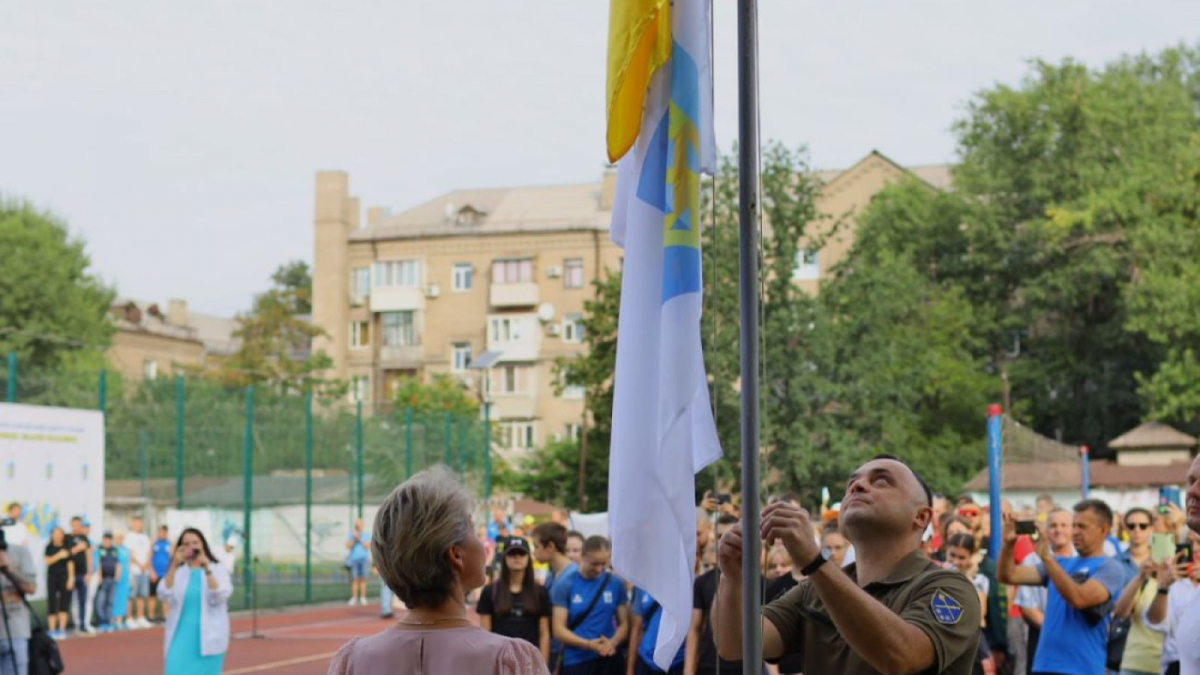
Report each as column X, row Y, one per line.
column 196, row 591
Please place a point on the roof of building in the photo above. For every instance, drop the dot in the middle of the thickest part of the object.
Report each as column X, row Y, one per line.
column 556, row 208
column 214, row 332
column 1152, row 435
column 1062, row 475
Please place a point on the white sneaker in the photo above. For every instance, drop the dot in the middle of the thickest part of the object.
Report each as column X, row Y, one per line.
column 353, row 602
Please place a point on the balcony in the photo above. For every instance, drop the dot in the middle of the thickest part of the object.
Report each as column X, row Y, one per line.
column 513, row 406
column 522, row 294
column 400, row 358
column 397, row 299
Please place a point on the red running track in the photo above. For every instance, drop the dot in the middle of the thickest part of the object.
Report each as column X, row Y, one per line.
column 296, row 642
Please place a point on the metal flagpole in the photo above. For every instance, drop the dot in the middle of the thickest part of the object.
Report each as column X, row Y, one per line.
column 749, row 287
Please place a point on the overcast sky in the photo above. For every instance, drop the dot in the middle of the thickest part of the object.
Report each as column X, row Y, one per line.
column 180, row 138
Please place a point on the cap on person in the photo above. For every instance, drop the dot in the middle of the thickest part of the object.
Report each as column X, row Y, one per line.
column 515, row 544
column 108, row 535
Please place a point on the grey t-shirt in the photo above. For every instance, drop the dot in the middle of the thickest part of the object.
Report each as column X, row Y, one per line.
column 20, row 561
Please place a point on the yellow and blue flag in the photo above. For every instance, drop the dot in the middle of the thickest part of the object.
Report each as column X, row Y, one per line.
column 662, row 428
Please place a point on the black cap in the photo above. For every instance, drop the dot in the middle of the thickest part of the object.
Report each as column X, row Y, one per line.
column 516, row 544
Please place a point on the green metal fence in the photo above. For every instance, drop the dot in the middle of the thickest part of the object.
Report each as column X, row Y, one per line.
column 290, row 470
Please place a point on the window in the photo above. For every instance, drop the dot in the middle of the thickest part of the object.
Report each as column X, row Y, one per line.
column 512, row 379
column 398, row 330
column 360, row 285
column 359, row 386
column 573, row 431
column 507, row 329
column 398, row 274
column 512, row 271
column 573, row 330
column 360, row 334
column 149, row 369
column 808, row 266
column 518, row 435
column 461, row 356
column 573, row 392
column 464, row 277
column 573, row 273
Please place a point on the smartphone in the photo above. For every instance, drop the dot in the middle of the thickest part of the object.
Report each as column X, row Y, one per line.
column 1162, row 547
column 722, row 497
column 1186, row 550
column 1027, row 527
column 1168, row 495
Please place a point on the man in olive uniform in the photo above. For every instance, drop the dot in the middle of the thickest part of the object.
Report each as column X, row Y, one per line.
column 891, row 611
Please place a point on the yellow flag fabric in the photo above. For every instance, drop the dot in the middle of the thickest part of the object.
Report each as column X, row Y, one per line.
column 639, row 42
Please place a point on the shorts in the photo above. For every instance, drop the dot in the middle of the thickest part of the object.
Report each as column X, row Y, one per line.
column 358, row 569
column 140, row 586
column 58, row 598
column 154, row 587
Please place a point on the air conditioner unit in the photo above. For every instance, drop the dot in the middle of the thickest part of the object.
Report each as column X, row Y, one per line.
column 554, row 329
column 554, row 271
column 433, row 291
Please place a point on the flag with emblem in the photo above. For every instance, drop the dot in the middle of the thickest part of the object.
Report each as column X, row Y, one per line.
column 660, row 120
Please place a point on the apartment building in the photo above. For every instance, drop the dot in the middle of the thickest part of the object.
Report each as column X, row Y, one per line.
column 503, row 270
column 150, row 342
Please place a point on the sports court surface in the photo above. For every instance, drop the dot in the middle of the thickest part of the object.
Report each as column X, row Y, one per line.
column 294, row 642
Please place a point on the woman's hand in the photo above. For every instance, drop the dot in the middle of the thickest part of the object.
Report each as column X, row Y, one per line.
column 70, row 584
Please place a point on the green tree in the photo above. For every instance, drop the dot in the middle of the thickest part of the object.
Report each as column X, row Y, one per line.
column 275, row 349
column 53, row 308
column 295, row 278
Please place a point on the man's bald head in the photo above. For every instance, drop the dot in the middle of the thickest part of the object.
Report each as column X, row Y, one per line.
column 885, row 497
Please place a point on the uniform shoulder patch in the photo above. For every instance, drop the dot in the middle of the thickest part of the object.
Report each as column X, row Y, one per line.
column 946, row 610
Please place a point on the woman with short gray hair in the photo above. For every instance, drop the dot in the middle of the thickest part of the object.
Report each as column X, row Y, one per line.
column 425, row 550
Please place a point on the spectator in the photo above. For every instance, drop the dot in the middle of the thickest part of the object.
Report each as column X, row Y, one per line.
column 778, row 565
column 1178, row 613
column 1081, row 592
column 81, row 555
column 425, row 552
column 575, row 547
column 160, row 561
column 549, row 546
column 960, row 553
column 120, row 606
column 139, row 571
column 197, row 633
column 973, row 514
column 647, row 615
column 1182, row 584
column 18, row 532
column 1031, row 600
column 701, row 656
column 60, row 579
column 107, row 571
column 891, row 611
column 14, row 641
column 227, row 556
column 357, row 559
column 1135, row 648
column 516, row 606
column 1045, row 506
column 591, row 613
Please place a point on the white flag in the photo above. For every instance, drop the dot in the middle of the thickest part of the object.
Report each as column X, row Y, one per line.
column 663, row 430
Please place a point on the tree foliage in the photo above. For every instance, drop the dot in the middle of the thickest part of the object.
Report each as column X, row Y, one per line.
column 275, row 341
column 53, row 307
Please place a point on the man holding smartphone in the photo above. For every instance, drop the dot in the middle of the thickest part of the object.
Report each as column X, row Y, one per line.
column 1081, row 592
column 1176, row 609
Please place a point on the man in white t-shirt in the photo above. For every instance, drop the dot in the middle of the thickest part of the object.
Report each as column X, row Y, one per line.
column 17, row 533
column 1176, row 609
column 139, row 566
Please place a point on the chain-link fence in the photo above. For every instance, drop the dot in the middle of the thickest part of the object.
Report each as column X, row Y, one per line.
column 293, row 471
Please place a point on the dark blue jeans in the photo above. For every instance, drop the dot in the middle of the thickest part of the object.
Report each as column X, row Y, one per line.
column 104, row 601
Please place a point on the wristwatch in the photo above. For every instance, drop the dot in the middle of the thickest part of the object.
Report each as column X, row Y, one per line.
column 822, row 558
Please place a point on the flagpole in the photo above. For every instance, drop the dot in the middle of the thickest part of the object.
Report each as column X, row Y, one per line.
column 748, row 286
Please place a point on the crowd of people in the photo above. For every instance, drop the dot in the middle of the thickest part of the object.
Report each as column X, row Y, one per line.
column 124, row 581
column 892, row 579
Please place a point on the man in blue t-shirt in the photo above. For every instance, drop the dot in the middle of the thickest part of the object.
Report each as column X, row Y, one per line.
column 1080, row 592
column 549, row 548
column 358, row 543
column 160, row 560
column 647, row 617
column 591, row 616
